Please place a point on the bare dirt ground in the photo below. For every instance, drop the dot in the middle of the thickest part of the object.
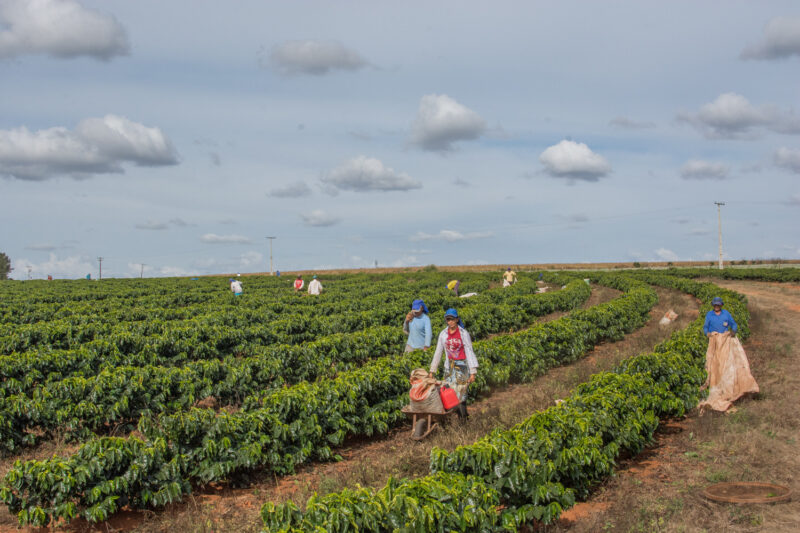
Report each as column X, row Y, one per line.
column 660, row 490
column 221, row 508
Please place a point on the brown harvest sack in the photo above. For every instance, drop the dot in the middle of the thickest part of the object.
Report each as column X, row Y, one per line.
column 424, row 394
column 729, row 375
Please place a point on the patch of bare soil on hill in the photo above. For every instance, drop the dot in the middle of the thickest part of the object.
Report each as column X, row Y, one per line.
column 660, row 490
column 221, row 508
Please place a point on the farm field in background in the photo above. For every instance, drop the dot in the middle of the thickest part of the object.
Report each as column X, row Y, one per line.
column 150, row 390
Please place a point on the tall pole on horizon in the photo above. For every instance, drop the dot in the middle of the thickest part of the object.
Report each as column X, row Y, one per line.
column 270, row 253
column 100, row 260
column 719, row 230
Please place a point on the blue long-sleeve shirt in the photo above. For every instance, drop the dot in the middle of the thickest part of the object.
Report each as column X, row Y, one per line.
column 720, row 323
column 419, row 332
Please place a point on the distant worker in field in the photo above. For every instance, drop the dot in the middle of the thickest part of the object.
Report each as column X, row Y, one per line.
column 509, row 277
column 461, row 365
column 453, row 286
column 417, row 326
column 236, row 287
column 299, row 284
column 315, row 287
column 728, row 371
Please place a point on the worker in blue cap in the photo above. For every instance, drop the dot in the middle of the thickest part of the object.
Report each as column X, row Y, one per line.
column 315, row 287
column 417, row 326
column 236, row 287
column 719, row 320
column 727, row 368
column 461, row 365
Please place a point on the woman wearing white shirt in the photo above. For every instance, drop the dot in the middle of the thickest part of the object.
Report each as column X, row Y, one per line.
column 315, row 287
column 461, row 365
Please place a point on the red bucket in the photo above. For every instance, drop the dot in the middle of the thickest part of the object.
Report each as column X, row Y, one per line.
column 448, row 396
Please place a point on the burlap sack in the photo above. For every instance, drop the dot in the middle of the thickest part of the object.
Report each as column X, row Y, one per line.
column 729, row 375
column 424, row 393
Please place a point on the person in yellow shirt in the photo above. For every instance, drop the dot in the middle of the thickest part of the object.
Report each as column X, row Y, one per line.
column 453, row 286
column 509, row 277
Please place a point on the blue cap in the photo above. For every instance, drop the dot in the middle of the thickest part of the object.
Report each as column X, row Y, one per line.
column 453, row 313
column 716, row 301
column 314, row 276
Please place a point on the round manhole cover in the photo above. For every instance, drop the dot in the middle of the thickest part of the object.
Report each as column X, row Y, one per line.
column 747, row 492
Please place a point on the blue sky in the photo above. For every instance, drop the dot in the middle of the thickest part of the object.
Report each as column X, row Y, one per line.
column 180, row 134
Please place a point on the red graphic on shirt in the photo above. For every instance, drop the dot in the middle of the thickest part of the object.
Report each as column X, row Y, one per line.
column 454, row 346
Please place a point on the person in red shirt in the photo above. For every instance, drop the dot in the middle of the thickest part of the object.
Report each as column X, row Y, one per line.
column 298, row 284
column 461, row 365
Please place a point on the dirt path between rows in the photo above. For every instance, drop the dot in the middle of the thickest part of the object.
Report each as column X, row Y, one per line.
column 221, row 508
column 660, row 490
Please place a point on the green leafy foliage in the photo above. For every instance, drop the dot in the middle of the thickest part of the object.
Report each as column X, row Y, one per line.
column 539, row 466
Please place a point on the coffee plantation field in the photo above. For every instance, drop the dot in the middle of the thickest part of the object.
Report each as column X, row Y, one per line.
column 166, row 385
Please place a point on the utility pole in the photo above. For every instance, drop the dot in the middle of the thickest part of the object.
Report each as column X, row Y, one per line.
column 141, row 272
column 100, row 260
column 29, row 271
column 719, row 230
column 270, row 253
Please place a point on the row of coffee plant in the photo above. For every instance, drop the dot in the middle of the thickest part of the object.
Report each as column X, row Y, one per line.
column 537, row 468
column 167, row 299
column 138, row 346
column 276, row 431
column 761, row 274
column 261, row 320
column 118, row 395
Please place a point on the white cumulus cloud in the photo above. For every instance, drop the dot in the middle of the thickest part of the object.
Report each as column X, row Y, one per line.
column 124, row 140
column 293, row 190
column 575, row 161
column 664, row 254
column 788, row 159
column 60, row 28
column 781, row 40
column 97, row 146
column 174, row 272
column 441, row 121
column 314, row 57
column 450, row 236
column 697, row 169
column 367, row 174
column 732, row 116
column 319, row 218
column 405, row 261
column 213, row 238
column 60, row 268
